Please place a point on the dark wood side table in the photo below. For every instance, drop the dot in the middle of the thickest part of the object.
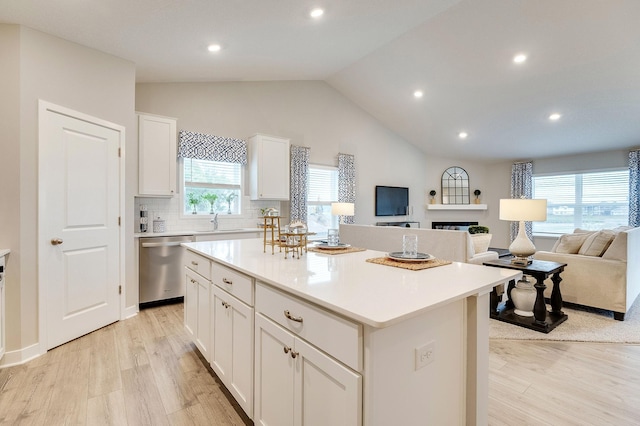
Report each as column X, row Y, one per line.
column 542, row 320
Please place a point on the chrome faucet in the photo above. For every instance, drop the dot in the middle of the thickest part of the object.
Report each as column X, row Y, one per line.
column 215, row 222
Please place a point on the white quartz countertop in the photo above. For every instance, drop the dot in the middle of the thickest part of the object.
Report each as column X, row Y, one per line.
column 376, row 295
column 187, row 232
column 4, row 252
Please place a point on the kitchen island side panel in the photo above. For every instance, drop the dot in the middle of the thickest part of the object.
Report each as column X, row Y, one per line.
column 395, row 391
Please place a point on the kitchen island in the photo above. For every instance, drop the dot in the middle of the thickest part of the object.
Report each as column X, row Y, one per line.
column 334, row 339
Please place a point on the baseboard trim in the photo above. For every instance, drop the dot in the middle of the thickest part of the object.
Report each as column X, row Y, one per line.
column 129, row 312
column 20, row 356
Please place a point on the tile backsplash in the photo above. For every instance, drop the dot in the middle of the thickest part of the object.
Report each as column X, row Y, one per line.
column 170, row 209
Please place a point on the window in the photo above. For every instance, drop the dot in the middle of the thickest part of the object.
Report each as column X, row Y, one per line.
column 322, row 191
column 212, row 187
column 591, row 201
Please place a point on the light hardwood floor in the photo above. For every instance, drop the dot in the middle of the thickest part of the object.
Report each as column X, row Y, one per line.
column 145, row 371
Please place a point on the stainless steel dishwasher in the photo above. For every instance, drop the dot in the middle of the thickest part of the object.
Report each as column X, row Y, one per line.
column 160, row 269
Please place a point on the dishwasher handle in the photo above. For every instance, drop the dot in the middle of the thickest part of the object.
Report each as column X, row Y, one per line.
column 172, row 244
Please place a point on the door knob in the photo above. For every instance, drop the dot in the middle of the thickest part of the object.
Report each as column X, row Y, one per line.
column 56, row 241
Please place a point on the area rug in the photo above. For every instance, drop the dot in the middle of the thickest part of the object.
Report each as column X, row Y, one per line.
column 583, row 325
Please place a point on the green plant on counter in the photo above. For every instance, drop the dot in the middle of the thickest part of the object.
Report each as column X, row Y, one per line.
column 211, row 199
column 193, row 200
column 478, row 229
column 229, row 199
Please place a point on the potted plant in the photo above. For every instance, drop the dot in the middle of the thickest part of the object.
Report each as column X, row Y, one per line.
column 432, row 193
column 480, row 237
column 229, row 199
column 211, row 199
column 194, row 200
column 477, row 194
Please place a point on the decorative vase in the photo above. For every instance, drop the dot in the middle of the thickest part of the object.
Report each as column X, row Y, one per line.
column 524, row 297
column 195, row 209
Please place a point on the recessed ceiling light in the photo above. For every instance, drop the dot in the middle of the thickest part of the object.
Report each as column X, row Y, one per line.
column 520, row 58
column 555, row 116
column 214, row 48
column 418, row 93
column 463, row 135
column 316, row 13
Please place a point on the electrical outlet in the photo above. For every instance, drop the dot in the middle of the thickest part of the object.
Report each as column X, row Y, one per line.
column 425, row 354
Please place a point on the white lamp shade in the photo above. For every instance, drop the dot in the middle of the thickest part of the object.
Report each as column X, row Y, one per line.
column 521, row 209
column 343, row 209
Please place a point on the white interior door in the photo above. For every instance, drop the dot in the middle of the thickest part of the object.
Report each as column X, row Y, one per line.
column 78, row 214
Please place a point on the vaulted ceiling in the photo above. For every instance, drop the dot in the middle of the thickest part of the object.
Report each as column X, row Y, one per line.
column 582, row 61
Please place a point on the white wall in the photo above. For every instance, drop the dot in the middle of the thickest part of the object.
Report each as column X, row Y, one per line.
column 72, row 76
column 311, row 114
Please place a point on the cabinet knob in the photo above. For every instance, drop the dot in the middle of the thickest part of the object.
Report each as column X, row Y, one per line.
column 286, row 349
column 56, row 241
column 294, row 354
column 291, row 317
column 225, row 304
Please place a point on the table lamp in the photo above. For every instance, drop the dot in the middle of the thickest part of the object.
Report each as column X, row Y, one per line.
column 522, row 210
column 342, row 209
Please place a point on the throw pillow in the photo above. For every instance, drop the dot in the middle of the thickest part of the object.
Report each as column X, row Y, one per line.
column 596, row 244
column 618, row 248
column 569, row 243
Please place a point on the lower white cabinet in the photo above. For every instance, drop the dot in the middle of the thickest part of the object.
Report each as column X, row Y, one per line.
column 231, row 354
column 2, row 309
column 295, row 382
column 196, row 309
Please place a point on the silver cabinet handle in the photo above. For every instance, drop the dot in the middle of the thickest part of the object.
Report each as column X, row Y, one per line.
column 56, row 241
column 291, row 317
column 226, row 281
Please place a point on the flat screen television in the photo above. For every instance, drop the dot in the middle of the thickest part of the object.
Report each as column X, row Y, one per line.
column 391, row 200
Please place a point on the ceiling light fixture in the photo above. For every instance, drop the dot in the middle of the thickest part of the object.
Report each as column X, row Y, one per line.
column 520, row 58
column 418, row 93
column 214, row 48
column 316, row 13
column 463, row 135
column 555, row 116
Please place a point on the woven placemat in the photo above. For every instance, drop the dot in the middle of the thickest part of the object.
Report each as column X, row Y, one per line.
column 336, row 251
column 413, row 266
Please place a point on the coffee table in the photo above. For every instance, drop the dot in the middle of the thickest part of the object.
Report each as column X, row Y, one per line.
column 542, row 320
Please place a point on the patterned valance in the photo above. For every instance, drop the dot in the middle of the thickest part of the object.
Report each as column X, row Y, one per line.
column 212, row 148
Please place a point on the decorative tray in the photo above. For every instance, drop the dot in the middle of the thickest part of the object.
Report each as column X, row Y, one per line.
column 326, row 246
column 420, row 257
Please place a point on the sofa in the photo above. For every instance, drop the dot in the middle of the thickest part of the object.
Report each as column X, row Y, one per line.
column 602, row 268
column 456, row 246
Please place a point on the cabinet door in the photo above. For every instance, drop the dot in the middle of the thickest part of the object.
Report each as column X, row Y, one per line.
column 326, row 392
column 269, row 168
column 157, row 160
column 232, row 346
column 274, row 374
column 3, row 332
column 202, row 333
column 190, row 303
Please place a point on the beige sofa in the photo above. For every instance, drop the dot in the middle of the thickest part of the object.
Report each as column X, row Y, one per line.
column 456, row 246
column 600, row 275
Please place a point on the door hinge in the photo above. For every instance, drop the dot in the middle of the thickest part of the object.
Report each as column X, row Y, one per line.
column 119, row 152
column 119, row 289
column 119, row 220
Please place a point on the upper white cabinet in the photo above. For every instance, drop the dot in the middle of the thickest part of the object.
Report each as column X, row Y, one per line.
column 269, row 162
column 157, row 139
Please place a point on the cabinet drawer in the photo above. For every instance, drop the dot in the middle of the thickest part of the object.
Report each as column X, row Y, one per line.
column 241, row 286
column 198, row 263
column 333, row 334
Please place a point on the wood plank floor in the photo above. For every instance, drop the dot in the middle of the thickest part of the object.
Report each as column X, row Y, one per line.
column 145, row 371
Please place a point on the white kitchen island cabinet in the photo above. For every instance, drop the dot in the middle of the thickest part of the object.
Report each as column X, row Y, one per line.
column 269, row 167
column 339, row 340
column 197, row 284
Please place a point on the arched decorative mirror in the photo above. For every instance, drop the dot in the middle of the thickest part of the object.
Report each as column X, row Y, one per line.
column 455, row 186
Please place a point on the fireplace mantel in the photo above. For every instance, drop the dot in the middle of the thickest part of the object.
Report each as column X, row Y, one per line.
column 456, row 206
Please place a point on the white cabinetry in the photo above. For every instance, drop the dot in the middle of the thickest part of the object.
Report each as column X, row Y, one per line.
column 157, row 159
column 296, row 381
column 232, row 346
column 197, row 273
column 269, row 161
column 2, row 309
